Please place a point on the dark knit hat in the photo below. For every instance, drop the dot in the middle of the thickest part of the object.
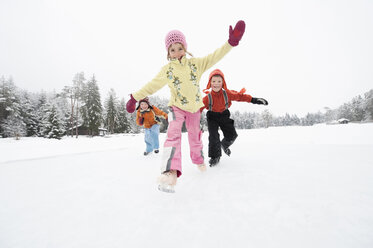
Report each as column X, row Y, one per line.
column 146, row 99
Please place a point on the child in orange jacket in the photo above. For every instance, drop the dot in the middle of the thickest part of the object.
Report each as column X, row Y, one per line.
column 217, row 103
column 148, row 117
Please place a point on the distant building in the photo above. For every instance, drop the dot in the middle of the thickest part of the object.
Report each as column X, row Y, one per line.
column 343, row 121
column 102, row 131
column 82, row 130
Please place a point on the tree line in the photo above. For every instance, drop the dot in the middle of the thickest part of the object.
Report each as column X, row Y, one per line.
column 77, row 109
column 359, row 109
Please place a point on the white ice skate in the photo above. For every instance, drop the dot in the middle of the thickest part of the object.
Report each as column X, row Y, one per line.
column 201, row 167
column 166, row 188
column 167, row 181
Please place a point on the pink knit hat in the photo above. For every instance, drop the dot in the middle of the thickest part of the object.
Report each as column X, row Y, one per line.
column 175, row 36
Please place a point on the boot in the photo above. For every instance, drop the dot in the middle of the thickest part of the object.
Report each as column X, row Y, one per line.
column 146, row 153
column 214, row 161
column 167, row 181
column 156, row 150
column 227, row 151
column 226, row 144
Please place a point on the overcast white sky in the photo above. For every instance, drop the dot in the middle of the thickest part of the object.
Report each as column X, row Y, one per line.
column 300, row 55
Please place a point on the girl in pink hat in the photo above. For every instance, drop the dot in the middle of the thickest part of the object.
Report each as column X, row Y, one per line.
column 182, row 75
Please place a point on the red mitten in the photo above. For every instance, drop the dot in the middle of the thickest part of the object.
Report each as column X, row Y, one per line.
column 131, row 105
column 236, row 34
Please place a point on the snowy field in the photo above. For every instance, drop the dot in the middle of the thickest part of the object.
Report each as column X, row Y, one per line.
column 282, row 187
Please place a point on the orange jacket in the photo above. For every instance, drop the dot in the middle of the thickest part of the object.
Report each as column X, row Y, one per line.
column 149, row 116
column 218, row 101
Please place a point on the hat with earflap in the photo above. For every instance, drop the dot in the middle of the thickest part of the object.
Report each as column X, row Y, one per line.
column 175, row 36
column 218, row 72
column 215, row 72
column 146, row 99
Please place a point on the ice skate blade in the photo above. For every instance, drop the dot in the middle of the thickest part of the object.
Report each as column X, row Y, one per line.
column 166, row 188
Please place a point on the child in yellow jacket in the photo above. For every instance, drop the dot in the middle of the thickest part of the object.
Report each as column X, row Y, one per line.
column 148, row 117
column 182, row 75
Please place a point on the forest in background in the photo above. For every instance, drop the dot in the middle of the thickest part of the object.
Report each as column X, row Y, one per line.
column 78, row 109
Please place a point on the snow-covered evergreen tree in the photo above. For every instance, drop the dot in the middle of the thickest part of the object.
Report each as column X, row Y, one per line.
column 134, row 128
column 52, row 128
column 287, row 120
column 111, row 112
column 29, row 115
column 311, row 119
column 357, row 105
column 92, row 108
column 3, row 112
column 75, row 94
column 14, row 126
column 123, row 123
column 42, row 112
column 267, row 118
column 330, row 114
column 11, row 123
column 244, row 120
column 295, row 121
column 368, row 106
column 345, row 111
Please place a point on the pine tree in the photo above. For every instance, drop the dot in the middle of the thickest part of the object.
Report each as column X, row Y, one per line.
column 111, row 112
column 267, row 118
column 92, row 108
column 287, row 120
column 368, row 105
column 14, row 126
column 42, row 113
column 29, row 115
column 311, row 119
column 53, row 129
column 123, row 123
column 2, row 100
column 345, row 111
column 330, row 114
column 7, row 90
column 75, row 94
column 11, row 123
column 63, row 110
column 295, row 120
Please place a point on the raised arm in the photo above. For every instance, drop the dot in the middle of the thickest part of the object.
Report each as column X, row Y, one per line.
column 149, row 89
column 235, row 35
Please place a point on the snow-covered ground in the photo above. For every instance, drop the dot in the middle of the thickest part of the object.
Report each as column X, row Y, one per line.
column 282, row 187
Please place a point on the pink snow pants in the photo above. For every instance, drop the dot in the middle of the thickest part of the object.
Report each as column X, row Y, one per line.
column 171, row 158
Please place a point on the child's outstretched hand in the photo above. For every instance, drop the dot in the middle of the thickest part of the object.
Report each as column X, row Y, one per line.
column 236, row 34
column 131, row 105
column 259, row 101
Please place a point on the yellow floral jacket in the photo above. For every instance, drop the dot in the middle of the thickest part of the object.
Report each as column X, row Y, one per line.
column 183, row 78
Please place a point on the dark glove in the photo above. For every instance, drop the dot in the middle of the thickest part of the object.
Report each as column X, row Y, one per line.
column 131, row 105
column 236, row 34
column 141, row 121
column 259, row 101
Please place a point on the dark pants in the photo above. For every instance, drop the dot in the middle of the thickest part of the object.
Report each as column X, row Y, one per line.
column 222, row 120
